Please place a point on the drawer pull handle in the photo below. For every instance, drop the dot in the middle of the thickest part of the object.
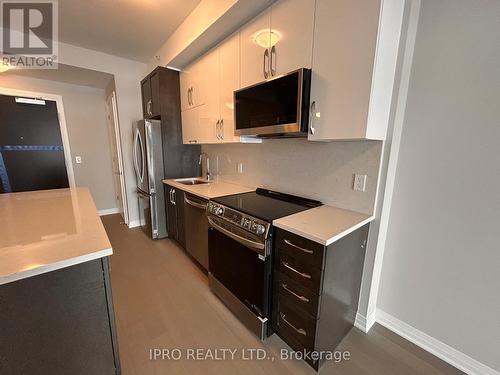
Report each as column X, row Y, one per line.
column 298, row 330
column 304, row 275
column 302, row 298
column 307, row 251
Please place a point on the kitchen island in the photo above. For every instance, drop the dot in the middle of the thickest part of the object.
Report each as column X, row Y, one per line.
column 56, row 308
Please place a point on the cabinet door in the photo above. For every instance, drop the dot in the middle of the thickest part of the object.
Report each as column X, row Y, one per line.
column 255, row 41
column 208, row 87
column 179, row 210
column 146, row 97
column 171, row 212
column 345, row 36
column 229, row 72
column 185, row 84
column 155, row 94
column 190, row 121
column 292, row 24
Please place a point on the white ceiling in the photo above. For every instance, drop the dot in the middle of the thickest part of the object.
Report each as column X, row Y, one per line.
column 134, row 29
column 66, row 74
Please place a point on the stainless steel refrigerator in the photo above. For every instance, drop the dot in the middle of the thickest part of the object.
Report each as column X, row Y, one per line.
column 148, row 165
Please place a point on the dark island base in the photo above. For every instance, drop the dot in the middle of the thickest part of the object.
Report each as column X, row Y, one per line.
column 59, row 323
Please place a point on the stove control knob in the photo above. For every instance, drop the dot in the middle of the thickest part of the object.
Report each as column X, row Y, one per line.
column 261, row 229
column 218, row 211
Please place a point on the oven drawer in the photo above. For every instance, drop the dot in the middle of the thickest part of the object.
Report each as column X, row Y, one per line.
column 296, row 295
column 302, row 249
column 292, row 326
column 306, row 275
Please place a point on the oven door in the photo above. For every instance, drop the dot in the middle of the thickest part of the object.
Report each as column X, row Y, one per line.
column 238, row 264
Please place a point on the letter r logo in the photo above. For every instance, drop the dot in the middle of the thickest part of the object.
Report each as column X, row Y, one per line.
column 28, row 27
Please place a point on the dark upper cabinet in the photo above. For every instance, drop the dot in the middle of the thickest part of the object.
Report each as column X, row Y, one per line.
column 151, row 98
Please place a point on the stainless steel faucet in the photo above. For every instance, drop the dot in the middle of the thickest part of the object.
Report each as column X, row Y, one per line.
column 205, row 169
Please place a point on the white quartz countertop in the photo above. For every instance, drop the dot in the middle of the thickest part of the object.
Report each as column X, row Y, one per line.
column 42, row 231
column 211, row 190
column 324, row 224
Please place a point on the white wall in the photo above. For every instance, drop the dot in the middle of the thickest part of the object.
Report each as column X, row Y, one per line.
column 317, row 170
column 127, row 74
column 440, row 271
column 84, row 109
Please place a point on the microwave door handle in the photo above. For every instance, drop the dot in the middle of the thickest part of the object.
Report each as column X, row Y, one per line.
column 311, row 117
column 242, row 240
column 266, row 57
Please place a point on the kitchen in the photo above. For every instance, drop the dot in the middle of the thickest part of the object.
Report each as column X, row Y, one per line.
column 261, row 176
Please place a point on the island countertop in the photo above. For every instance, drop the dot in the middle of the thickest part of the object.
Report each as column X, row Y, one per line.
column 42, row 231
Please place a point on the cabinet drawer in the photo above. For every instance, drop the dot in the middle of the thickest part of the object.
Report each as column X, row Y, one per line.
column 296, row 295
column 304, row 274
column 302, row 249
column 294, row 326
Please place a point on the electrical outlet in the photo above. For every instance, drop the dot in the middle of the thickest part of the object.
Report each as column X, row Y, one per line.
column 239, row 168
column 359, row 182
column 78, row 160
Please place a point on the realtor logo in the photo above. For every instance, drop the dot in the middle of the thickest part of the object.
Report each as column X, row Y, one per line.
column 29, row 33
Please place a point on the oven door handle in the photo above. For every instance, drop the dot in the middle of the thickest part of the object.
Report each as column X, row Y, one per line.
column 241, row 240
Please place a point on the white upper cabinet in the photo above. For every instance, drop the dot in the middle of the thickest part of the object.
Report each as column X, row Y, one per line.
column 210, row 119
column 292, row 25
column 255, row 41
column 277, row 41
column 353, row 67
column 229, row 78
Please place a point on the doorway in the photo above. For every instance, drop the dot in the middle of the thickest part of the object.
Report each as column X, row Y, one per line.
column 116, row 156
column 34, row 149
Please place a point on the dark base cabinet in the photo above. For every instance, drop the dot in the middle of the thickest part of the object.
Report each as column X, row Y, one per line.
column 175, row 214
column 59, row 323
column 316, row 290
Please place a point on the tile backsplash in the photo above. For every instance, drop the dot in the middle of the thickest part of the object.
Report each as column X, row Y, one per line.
column 322, row 171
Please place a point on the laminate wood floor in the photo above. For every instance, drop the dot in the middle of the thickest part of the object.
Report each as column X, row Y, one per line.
column 162, row 300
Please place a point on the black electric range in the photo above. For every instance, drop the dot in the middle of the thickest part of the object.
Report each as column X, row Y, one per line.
column 240, row 249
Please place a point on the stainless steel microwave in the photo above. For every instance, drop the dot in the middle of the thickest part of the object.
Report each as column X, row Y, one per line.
column 275, row 107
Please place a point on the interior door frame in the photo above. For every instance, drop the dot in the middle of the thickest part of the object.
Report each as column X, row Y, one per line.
column 117, row 134
column 62, row 123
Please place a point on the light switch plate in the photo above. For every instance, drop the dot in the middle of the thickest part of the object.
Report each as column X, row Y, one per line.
column 359, row 182
column 78, row 160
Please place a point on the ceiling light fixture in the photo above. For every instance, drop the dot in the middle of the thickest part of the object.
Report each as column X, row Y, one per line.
column 266, row 38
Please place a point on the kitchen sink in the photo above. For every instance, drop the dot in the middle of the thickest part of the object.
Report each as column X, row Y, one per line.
column 192, row 181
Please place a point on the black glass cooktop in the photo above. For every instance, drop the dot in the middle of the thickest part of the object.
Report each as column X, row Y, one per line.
column 267, row 204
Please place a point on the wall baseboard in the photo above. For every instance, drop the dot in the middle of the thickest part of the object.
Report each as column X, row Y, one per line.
column 108, row 211
column 439, row 349
column 364, row 323
column 134, row 223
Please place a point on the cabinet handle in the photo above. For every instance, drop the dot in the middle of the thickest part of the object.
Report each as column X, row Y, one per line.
column 190, row 96
column 173, row 197
column 217, row 130
column 298, row 330
column 273, row 69
column 302, row 298
column 307, row 251
column 222, row 129
column 266, row 55
column 304, row 275
column 311, row 117
column 148, row 108
column 193, row 141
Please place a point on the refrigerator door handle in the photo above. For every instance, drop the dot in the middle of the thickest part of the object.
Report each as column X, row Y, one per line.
column 152, row 186
column 136, row 164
